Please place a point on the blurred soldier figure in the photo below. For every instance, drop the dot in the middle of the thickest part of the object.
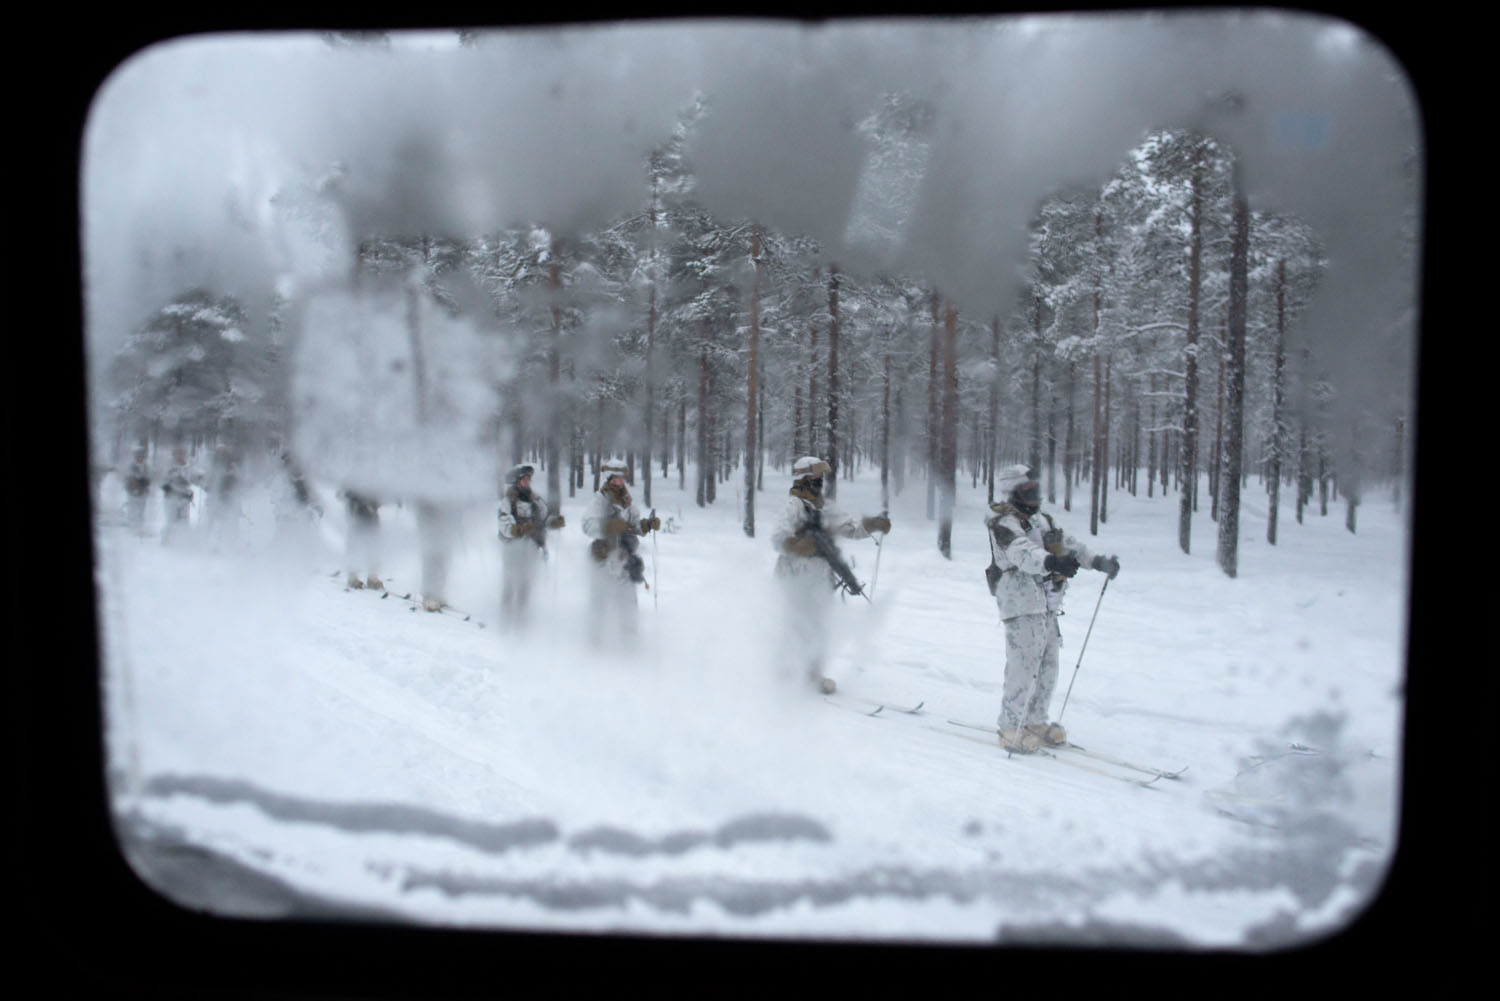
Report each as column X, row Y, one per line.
column 137, row 486
column 1032, row 563
column 523, row 542
column 437, row 530
column 805, row 570
column 363, row 540
column 616, row 526
column 177, row 496
column 224, row 502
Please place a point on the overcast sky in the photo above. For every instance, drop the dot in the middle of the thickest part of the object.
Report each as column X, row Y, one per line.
column 189, row 141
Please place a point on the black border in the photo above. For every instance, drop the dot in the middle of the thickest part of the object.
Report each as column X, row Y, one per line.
column 90, row 926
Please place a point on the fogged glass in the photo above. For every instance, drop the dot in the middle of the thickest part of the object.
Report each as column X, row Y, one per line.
column 448, row 392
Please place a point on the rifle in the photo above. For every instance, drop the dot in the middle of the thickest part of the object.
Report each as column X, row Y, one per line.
column 635, row 567
column 830, row 554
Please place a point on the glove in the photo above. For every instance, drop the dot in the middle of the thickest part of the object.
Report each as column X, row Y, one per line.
column 1107, row 564
column 801, row 545
column 1066, row 564
column 556, row 521
column 615, row 527
column 522, row 529
column 650, row 525
column 879, row 523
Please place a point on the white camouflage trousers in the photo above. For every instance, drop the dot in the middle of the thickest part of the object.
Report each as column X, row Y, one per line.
column 612, row 607
column 1031, row 648
column 520, row 560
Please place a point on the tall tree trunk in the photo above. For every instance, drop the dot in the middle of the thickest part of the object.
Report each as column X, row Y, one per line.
column 705, row 461
column 554, row 382
column 682, row 440
column 1216, row 450
column 1151, row 438
column 994, row 415
column 1234, row 438
column 1034, row 453
column 752, row 390
column 1188, row 448
column 1070, row 441
column 832, row 483
column 1096, row 485
column 798, row 449
column 1278, row 429
column 760, row 432
column 932, row 413
column 885, row 429
column 1109, row 365
column 813, row 439
column 650, row 357
column 898, row 460
column 948, row 446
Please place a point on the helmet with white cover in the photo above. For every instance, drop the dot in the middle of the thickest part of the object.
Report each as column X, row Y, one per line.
column 809, row 467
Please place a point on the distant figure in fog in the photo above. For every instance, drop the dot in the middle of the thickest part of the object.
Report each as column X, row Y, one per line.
column 523, row 542
column 224, row 500
column 177, row 496
column 437, row 531
column 363, row 540
column 137, row 488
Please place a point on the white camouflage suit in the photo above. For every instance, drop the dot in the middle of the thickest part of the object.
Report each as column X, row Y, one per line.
column 520, row 555
column 1030, row 600
column 177, row 498
column 612, row 600
column 807, row 582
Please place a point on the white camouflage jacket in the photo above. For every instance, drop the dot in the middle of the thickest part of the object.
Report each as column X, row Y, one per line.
column 1025, row 587
column 514, row 510
column 798, row 512
column 600, row 511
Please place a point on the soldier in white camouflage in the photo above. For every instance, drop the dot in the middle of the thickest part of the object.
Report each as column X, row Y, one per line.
column 523, row 542
column 1032, row 562
column 177, row 496
column 808, row 581
column 616, row 525
column 137, row 487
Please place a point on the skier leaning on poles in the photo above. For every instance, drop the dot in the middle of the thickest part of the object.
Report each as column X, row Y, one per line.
column 807, row 576
column 615, row 524
column 137, row 485
column 177, row 495
column 523, row 536
column 1032, row 560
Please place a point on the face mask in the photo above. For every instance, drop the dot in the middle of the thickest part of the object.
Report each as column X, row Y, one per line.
column 1029, row 496
column 814, row 487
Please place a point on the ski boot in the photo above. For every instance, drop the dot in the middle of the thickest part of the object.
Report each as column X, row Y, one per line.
column 1050, row 734
column 1023, row 742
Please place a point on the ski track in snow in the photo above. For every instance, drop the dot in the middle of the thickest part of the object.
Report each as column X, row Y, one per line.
column 691, row 789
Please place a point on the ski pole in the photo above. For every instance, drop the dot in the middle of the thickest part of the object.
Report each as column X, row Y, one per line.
column 1083, row 648
column 876, row 575
column 654, row 605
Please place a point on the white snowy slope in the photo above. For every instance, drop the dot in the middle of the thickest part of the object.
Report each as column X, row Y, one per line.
column 441, row 770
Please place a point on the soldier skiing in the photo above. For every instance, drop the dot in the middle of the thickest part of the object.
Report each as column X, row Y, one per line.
column 810, row 567
column 1031, row 563
column 137, row 487
column 177, row 495
column 362, row 545
column 523, row 541
column 224, row 503
column 616, row 526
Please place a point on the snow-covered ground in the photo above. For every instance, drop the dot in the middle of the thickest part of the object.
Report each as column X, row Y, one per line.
column 446, row 771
